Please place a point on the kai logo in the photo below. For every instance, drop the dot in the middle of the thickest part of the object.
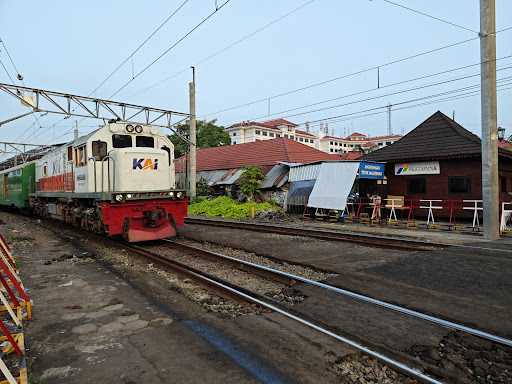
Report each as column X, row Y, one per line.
column 145, row 164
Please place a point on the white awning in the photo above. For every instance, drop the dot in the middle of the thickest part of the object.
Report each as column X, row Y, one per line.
column 333, row 185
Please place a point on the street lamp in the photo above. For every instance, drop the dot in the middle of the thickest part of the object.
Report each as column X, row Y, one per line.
column 501, row 133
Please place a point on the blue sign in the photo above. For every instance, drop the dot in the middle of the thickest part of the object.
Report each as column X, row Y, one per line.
column 373, row 171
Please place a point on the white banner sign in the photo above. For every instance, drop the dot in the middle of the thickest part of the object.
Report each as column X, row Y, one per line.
column 420, row 168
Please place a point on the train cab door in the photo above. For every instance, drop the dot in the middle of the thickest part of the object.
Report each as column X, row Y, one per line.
column 69, row 177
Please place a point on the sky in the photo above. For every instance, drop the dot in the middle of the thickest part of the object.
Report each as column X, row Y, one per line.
column 72, row 46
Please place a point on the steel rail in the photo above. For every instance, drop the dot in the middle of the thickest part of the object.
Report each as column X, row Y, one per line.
column 364, row 239
column 238, row 291
column 360, row 297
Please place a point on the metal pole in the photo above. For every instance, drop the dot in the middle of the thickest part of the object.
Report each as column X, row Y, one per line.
column 390, row 129
column 193, row 139
column 489, row 119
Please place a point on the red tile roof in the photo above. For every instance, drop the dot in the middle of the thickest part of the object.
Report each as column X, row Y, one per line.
column 351, row 155
column 261, row 153
column 357, row 134
column 278, row 122
column 271, row 124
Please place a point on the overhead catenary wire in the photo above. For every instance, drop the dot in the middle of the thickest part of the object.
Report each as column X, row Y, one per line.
column 466, row 95
column 139, row 47
column 376, row 89
column 348, row 75
column 175, row 44
column 9, row 56
column 227, row 47
column 329, row 118
column 6, row 71
column 402, row 91
column 430, row 16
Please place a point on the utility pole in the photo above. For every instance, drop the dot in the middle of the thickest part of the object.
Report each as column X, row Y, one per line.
column 192, row 136
column 75, row 132
column 490, row 192
column 390, row 129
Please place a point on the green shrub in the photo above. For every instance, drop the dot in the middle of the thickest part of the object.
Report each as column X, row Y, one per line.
column 228, row 208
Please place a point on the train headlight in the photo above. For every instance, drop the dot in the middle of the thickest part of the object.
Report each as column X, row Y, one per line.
column 171, row 194
column 129, row 128
column 179, row 195
column 138, row 128
column 129, row 196
column 119, row 197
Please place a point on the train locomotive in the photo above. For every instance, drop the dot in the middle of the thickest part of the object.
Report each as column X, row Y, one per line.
column 118, row 180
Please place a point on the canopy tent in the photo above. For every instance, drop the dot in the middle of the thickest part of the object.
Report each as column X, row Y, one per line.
column 333, row 185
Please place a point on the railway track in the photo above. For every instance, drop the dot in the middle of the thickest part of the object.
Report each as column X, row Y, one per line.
column 358, row 238
column 225, row 288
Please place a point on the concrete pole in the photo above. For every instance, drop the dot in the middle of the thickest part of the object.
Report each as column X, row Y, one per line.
column 192, row 137
column 490, row 191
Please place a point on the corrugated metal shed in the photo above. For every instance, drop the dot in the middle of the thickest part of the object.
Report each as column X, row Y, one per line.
column 211, row 177
column 304, row 172
column 231, row 177
column 276, row 177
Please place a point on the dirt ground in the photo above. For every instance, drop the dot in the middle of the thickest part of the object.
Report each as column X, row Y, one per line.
column 104, row 316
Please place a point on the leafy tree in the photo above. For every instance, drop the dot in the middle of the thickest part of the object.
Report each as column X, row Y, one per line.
column 250, row 181
column 202, row 187
column 209, row 135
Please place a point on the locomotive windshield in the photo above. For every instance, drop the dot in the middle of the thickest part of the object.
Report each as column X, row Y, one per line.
column 121, row 141
column 145, row 141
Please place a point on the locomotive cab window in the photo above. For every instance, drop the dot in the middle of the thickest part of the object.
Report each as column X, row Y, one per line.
column 81, row 156
column 99, row 149
column 121, row 141
column 145, row 141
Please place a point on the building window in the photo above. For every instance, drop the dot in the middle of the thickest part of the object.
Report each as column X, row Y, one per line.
column 234, row 133
column 380, row 144
column 301, row 139
column 416, row 185
column 330, row 143
column 234, row 142
column 265, row 133
column 389, row 142
column 330, row 149
column 145, row 141
column 258, row 132
column 271, row 134
column 459, row 184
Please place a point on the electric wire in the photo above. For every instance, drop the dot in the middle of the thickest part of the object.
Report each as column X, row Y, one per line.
column 351, row 74
column 204, row 20
column 149, row 37
column 430, row 16
column 222, row 50
column 475, row 86
column 376, row 89
column 9, row 55
column 6, row 71
column 399, row 92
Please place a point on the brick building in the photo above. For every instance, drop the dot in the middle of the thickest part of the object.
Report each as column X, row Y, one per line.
column 440, row 159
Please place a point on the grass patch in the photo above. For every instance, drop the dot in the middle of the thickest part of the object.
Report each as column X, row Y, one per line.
column 228, row 208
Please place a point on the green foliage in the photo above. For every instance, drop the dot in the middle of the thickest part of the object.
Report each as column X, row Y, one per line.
column 202, row 187
column 228, row 208
column 208, row 135
column 250, row 181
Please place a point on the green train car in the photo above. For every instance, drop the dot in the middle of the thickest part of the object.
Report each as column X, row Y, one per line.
column 16, row 185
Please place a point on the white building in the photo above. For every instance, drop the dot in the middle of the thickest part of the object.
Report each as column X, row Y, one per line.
column 355, row 142
column 251, row 131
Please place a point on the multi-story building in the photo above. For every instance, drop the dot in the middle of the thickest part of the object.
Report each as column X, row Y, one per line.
column 355, row 142
column 251, row 131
